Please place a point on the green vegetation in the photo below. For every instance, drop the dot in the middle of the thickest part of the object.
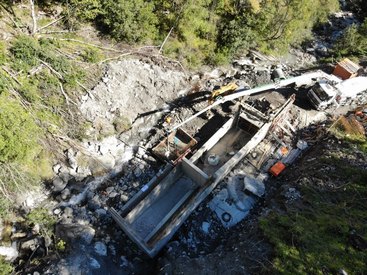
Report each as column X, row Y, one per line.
column 325, row 232
column 130, row 21
column 5, row 267
column 205, row 31
column 40, row 80
column 61, row 245
column 43, row 218
column 353, row 42
column 18, row 132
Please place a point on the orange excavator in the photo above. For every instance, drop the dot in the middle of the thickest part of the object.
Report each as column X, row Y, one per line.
column 223, row 91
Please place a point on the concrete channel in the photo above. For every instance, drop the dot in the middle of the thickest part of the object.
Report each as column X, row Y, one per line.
column 156, row 212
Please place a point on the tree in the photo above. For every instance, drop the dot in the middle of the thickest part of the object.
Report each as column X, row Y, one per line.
column 194, row 25
column 271, row 25
column 130, row 21
column 353, row 42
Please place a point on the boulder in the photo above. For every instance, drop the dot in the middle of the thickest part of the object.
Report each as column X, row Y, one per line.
column 74, row 233
column 59, row 184
column 56, row 168
column 71, row 155
column 10, row 253
column 65, row 194
column 255, row 186
column 31, row 244
column 100, row 248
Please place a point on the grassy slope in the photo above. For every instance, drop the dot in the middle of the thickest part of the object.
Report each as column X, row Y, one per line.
column 327, row 229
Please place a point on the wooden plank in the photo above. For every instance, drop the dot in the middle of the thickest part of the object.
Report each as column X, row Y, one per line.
column 255, row 140
column 253, row 110
column 202, row 193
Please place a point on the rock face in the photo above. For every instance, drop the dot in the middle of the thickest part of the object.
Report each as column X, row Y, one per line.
column 130, row 89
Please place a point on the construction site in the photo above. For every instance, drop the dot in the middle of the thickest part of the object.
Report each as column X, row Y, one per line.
column 183, row 137
column 258, row 137
column 184, row 189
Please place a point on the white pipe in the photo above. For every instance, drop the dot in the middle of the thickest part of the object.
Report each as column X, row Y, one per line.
column 305, row 79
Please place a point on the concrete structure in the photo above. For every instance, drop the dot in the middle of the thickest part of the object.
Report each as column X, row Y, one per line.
column 307, row 79
column 157, row 211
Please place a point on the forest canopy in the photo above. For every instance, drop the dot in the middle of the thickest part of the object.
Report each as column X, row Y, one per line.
column 213, row 31
column 205, row 31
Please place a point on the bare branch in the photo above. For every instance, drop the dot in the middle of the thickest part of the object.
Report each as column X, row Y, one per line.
column 67, row 98
column 59, row 76
column 50, row 24
column 117, row 57
column 33, row 13
column 165, row 40
column 85, row 88
column 89, row 44
column 11, row 74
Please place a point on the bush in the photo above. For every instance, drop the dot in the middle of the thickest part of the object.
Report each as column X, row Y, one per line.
column 91, row 55
column 271, row 26
column 193, row 40
column 18, row 132
column 85, row 10
column 5, row 267
column 25, row 50
column 43, row 218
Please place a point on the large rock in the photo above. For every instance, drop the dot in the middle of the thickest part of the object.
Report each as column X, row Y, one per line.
column 71, row 156
column 100, row 248
column 31, row 244
column 255, row 186
column 10, row 253
column 59, row 184
column 102, row 164
column 74, row 233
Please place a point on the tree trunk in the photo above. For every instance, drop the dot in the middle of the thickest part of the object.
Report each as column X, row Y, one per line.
column 33, row 13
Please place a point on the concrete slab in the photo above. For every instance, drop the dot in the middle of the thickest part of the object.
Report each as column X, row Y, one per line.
column 255, row 186
column 154, row 212
column 228, row 213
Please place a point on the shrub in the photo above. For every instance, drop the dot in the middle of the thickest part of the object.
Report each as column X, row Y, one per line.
column 5, row 267
column 353, row 42
column 43, row 218
column 18, row 132
column 91, row 55
column 85, row 10
column 61, row 245
column 25, row 50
